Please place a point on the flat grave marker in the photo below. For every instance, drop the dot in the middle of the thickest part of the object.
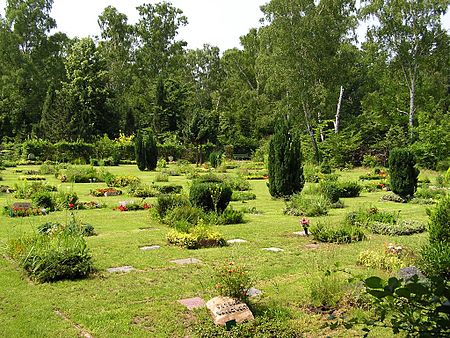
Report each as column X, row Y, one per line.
column 236, row 240
column 192, row 303
column 149, row 248
column 273, row 249
column 22, row 205
column 120, row 269
column 185, row 261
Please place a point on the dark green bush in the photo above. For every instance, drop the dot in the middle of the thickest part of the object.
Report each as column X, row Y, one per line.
column 169, row 189
column 328, row 233
column 242, row 196
column 349, row 189
column 43, row 199
column 237, row 183
column 231, row 216
column 210, row 196
column 430, row 193
column 142, row 190
column 285, row 164
column 403, row 173
column 165, row 203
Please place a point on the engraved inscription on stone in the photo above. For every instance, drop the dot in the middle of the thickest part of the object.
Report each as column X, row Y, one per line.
column 225, row 309
column 22, row 205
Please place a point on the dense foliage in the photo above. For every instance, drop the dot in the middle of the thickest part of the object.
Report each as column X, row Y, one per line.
column 146, row 150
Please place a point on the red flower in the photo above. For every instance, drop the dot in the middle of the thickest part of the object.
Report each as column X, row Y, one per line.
column 71, row 205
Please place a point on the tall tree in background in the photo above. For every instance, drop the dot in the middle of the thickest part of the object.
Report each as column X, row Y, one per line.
column 285, row 166
column 303, row 40
column 407, row 31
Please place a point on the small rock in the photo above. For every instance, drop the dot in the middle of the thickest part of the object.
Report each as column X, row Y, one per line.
column 253, row 292
column 300, row 233
column 226, row 309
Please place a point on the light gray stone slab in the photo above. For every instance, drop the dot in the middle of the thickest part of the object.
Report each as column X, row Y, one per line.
column 312, row 246
column 149, row 248
column 299, row 233
column 237, row 240
column 121, row 269
column 185, row 261
column 225, row 309
column 273, row 249
column 192, row 303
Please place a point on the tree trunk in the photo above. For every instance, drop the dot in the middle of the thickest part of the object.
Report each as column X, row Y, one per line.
column 412, row 96
column 311, row 134
column 338, row 112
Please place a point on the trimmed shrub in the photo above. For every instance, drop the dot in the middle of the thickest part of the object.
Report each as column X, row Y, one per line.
column 200, row 236
column 210, row 196
column 231, row 216
column 237, row 183
column 402, row 228
column 404, row 175
column 307, row 205
column 122, row 181
column 439, row 224
column 146, row 150
column 285, row 166
column 169, row 189
column 349, row 189
column 142, row 190
column 325, row 232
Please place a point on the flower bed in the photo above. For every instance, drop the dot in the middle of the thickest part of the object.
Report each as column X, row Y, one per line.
column 23, row 212
column 132, row 206
column 105, row 192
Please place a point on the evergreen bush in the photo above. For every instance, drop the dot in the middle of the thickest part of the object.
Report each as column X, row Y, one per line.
column 285, row 166
column 403, row 173
column 210, row 196
column 146, row 150
column 439, row 225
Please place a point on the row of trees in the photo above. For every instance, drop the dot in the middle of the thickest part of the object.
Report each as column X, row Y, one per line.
column 345, row 99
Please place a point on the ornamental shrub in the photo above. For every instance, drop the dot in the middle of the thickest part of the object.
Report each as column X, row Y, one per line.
column 232, row 281
column 403, row 173
column 210, row 196
column 146, row 150
column 215, row 159
column 285, row 164
column 307, row 205
column 330, row 190
column 325, row 232
column 43, row 199
column 167, row 202
column 439, row 224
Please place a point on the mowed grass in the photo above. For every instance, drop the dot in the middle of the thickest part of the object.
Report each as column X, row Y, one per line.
column 143, row 303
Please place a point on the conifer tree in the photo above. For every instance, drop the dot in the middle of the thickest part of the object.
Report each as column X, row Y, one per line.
column 403, row 173
column 146, row 150
column 285, row 166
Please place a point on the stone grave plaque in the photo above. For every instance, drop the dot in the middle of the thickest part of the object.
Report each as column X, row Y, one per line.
column 112, row 193
column 300, row 233
column 273, row 249
column 192, row 303
column 121, row 269
column 312, row 246
column 186, row 261
column 21, row 205
column 237, row 240
column 226, row 309
column 148, row 248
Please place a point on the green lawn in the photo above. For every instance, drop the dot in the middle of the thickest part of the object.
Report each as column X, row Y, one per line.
column 143, row 303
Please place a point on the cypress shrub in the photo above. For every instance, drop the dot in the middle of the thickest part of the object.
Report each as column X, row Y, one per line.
column 285, row 167
column 404, row 176
column 146, row 150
